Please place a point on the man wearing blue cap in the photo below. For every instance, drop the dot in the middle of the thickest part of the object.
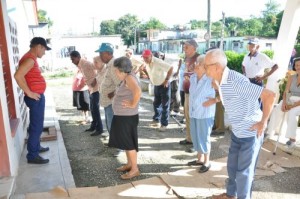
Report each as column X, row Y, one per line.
column 109, row 83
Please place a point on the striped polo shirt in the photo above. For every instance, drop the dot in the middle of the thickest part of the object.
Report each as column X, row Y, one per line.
column 240, row 100
column 199, row 93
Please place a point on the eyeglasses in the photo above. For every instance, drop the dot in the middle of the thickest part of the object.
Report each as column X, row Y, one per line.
column 208, row 65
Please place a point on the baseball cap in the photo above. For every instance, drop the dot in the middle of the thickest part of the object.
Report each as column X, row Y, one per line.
column 105, row 47
column 147, row 53
column 191, row 42
column 39, row 40
column 254, row 41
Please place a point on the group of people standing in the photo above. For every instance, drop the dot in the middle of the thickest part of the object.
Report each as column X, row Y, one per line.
column 112, row 84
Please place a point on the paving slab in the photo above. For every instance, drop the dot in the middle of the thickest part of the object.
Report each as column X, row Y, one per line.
column 152, row 188
column 57, row 192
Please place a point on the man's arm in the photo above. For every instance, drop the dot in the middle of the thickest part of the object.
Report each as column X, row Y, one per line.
column 19, row 76
column 166, row 82
column 267, row 97
column 273, row 69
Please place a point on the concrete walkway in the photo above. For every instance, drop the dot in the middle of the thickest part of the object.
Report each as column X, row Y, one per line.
column 55, row 179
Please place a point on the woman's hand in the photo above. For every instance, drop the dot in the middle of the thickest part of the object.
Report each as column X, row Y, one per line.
column 284, row 106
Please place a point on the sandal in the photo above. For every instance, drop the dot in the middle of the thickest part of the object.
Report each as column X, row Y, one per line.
column 128, row 176
column 124, row 168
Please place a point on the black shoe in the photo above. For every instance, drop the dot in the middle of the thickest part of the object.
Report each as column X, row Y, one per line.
column 194, row 163
column 190, row 150
column 204, row 168
column 90, row 129
column 44, row 149
column 185, row 142
column 38, row 160
column 217, row 133
column 96, row 133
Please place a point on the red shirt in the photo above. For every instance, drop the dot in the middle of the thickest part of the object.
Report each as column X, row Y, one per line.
column 34, row 78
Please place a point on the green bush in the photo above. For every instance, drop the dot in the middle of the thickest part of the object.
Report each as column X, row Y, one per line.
column 234, row 60
column 59, row 74
column 297, row 47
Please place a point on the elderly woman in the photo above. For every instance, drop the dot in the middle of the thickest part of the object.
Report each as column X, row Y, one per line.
column 125, row 121
column 202, row 112
column 288, row 109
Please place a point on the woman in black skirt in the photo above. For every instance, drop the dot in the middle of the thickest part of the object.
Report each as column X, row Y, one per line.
column 123, row 134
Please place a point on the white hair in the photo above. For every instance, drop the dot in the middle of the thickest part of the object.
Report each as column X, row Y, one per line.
column 218, row 56
column 200, row 59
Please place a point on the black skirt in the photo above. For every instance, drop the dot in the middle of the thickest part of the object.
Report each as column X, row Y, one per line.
column 123, row 132
column 81, row 100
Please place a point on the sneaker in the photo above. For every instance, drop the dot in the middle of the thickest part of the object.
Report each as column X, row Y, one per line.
column 162, row 128
column 289, row 142
column 173, row 113
column 154, row 123
column 291, row 145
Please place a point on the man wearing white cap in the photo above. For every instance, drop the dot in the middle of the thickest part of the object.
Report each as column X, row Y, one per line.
column 255, row 63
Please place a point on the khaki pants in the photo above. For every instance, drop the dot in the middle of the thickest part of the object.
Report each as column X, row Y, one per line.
column 219, row 118
column 187, row 117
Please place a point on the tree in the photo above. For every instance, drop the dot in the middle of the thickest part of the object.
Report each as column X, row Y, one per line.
column 127, row 27
column 108, row 27
column 154, row 23
column 42, row 18
column 195, row 24
column 251, row 27
column 270, row 19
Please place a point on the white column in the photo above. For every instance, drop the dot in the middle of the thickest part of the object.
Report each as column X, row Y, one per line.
column 285, row 42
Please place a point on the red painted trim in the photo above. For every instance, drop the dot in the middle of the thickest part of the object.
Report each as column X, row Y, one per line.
column 4, row 159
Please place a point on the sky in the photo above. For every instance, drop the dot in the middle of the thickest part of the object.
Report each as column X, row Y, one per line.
column 81, row 16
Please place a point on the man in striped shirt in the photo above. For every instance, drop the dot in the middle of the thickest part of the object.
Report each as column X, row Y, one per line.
column 240, row 99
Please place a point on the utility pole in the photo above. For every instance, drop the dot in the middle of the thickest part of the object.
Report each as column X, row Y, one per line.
column 222, row 31
column 208, row 25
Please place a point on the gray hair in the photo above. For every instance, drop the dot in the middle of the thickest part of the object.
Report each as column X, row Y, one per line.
column 200, row 59
column 123, row 64
column 218, row 56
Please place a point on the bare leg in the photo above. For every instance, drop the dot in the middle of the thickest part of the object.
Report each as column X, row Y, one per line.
column 200, row 157
column 206, row 159
column 132, row 160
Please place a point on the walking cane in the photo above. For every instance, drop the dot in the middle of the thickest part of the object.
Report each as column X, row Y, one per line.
column 279, row 134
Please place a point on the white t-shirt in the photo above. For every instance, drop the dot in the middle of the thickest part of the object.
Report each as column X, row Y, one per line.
column 257, row 64
column 157, row 70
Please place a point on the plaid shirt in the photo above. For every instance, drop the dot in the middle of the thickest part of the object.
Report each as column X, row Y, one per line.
column 109, row 84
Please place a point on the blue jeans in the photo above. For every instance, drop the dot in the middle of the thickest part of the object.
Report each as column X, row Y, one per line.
column 200, row 133
column 94, row 106
column 109, row 113
column 161, row 104
column 241, row 163
column 36, row 125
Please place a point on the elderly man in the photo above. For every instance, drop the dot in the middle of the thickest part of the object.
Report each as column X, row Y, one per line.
column 89, row 73
column 255, row 63
column 109, row 83
column 190, row 51
column 248, row 123
column 159, row 73
column 137, row 65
